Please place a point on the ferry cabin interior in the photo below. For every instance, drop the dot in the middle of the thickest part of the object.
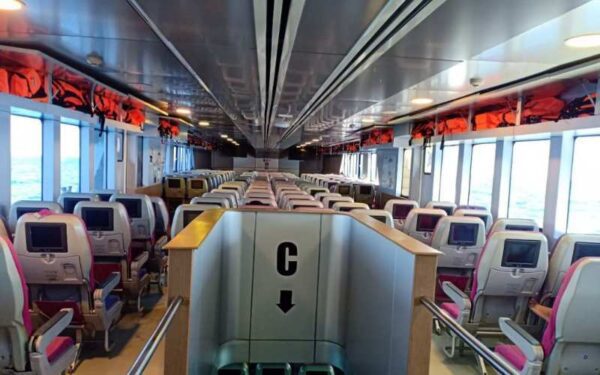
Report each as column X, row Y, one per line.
column 299, row 187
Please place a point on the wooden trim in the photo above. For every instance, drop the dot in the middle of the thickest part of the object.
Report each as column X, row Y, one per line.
column 420, row 330
column 151, row 190
column 192, row 236
column 176, row 339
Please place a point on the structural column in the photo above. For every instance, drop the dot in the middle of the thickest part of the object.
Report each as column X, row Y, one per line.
column 51, row 158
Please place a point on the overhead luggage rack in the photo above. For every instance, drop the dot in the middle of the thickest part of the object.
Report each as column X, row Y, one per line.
column 275, row 288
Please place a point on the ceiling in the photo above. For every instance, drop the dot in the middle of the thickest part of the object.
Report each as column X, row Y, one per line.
column 286, row 71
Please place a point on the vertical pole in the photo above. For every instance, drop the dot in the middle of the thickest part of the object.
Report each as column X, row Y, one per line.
column 50, row 158
column 4, row 159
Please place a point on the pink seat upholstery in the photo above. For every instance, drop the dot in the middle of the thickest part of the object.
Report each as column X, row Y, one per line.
column 57, row 347
column 26, row 318
column 512, row 354
column 451, row 308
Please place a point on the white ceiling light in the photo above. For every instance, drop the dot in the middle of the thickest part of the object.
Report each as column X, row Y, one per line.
column 204, row 123
column 183, row 111
column 584, row 41
column 283, row 115
column 94, row 59
column 224, row 136
column 368, row 120
column 11, row 5
column 421, row 101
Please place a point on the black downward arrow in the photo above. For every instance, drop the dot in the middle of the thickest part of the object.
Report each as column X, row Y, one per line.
column 285, row 301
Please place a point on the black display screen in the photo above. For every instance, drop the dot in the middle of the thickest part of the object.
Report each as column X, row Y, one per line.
column 463, row 234
column 449, row 210
column 380, row 218
column 520, row 253
column 104, row 197
column 98, row 218
column 344, row 190
column 400, row 211
column 189, row 216
column 133, row 207
column 482, row 217
column 197, row 184
column 46, row 237
column 70, row 203
column 585, row 249
column 427, row 223
column 365, row 190
column 346, row 209
column 334, row 201
column 523, row 228
column 27, row 210
column 174, row 183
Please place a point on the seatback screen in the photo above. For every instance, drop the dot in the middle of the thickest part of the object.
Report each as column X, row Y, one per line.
column 463, row 234
column 104, row 197
column 482, row 217
column 258, row 203
column 449, row 210
column 365, row 189
column 330, row 185
column 70, row 203
column 380, row 218
column 585, row 249
column 189, row 216
column 313, row 192
column 344, row 190
column 27, row 210
column 46, row 237
column 520, row 253
column 133, row 207
column 346, row 209
column 174, row 183
column 523, row 228
column 333, row 201
column 427, row 223
column 400, row 211
column 197, row 184
column 98, row 218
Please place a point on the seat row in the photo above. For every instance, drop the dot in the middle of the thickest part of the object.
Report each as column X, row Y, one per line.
column 360, row 191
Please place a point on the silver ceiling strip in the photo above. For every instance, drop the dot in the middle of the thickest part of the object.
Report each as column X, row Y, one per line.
column 364, row 52
column 260, row 32
column 140, row 11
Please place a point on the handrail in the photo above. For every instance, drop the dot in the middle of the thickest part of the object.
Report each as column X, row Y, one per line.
column 142, row 360
column 496, row 362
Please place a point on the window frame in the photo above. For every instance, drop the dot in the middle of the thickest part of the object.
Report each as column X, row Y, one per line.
column 404, row 151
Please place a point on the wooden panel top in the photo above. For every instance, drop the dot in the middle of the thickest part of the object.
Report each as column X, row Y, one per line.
column 192, row 236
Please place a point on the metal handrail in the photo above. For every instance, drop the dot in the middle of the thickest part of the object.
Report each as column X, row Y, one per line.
column 496, row 362
column 142, row 360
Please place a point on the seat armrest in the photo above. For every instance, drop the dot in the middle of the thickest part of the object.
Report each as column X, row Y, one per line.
column 138, row 263
column 45, row 334
column 456, row 295
column 529, row 346
column 109, row 285
column 161, row 242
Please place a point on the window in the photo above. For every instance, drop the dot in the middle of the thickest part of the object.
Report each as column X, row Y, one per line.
column 25, row 158
column 449, row 173
column 70, row 155
column 100, row 162
column 482, row 174
column 373, row 173
column 528, row 180
column 406, row 170
column 584, row 201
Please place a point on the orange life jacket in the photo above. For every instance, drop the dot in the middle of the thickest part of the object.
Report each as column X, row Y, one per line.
column 4, row 85
column 494, row 119
column 69, row 96
column 453, row 126
column 542, row 109
column 27, row 83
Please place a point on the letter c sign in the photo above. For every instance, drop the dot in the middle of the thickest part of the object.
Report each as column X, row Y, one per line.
column 286, row 250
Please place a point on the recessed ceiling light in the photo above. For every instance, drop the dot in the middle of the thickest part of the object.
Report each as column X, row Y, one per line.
column 204, row 123
column 421, row 101
column 224, row 136
column 11, row 5
column 584, row 41
column 388, row 113
column 316, row 140
column 283, row 115
column 94, row 59
column 183, row 111
column 368, row 120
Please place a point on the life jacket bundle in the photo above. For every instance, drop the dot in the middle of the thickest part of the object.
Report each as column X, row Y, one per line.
column 69, row 96
column 27, row 83
column 494, row 119
column 106, row 105
column 453, row 125
column 542, row 109
column 134, row 115
column 579, row 107
column 4, row 85
column 175, row 130
column 164, row 128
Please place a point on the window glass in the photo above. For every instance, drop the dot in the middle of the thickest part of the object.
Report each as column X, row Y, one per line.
column 25, row 158
column 449, row 173
column 584, row 200
column 406, row 170
column 373, row 173
column 482, row 174
column 69, row 157
column 528, row 180
column 100, row 163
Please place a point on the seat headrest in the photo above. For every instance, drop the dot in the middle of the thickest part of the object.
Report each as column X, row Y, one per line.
column 504, row 224
column 399, row 208
column 138, row 206
column 460, row 231
column 350, row 206
column 160, row 208
column 185, row 214
column 484, row 215
column 449, row 207
column 381, row 215
column 423, row 219
column 13, row 290
column 22, row 207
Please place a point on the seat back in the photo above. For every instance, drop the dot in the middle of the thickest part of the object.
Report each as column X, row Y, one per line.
column 68, row 200
column 185, row 214
column 303, row 203
column 234, row 193
column 54, row 249
column 381, row 215
column 349, row 206
column 568, row 250
column 321, row 196
column 460, row 239
column 572, row 337
column 258, row 202
column 420, row 223
column 15, row 321
column 344, row 189
column 511, row 269
column 141, row 214
column 105, row 194
column 196, row 186
column 399, row 208
column 108, row 226
column 484, row 215
column 4, row 231
column 285, row 200
column 240, row 187
column 174, row 187
column 161, row 214
column 227, row 195
column 364, row 193
column 328, row 202
column 449, row 207
column 217, row 202
column 20, row 208
column 504, row 224
column 314, row 190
